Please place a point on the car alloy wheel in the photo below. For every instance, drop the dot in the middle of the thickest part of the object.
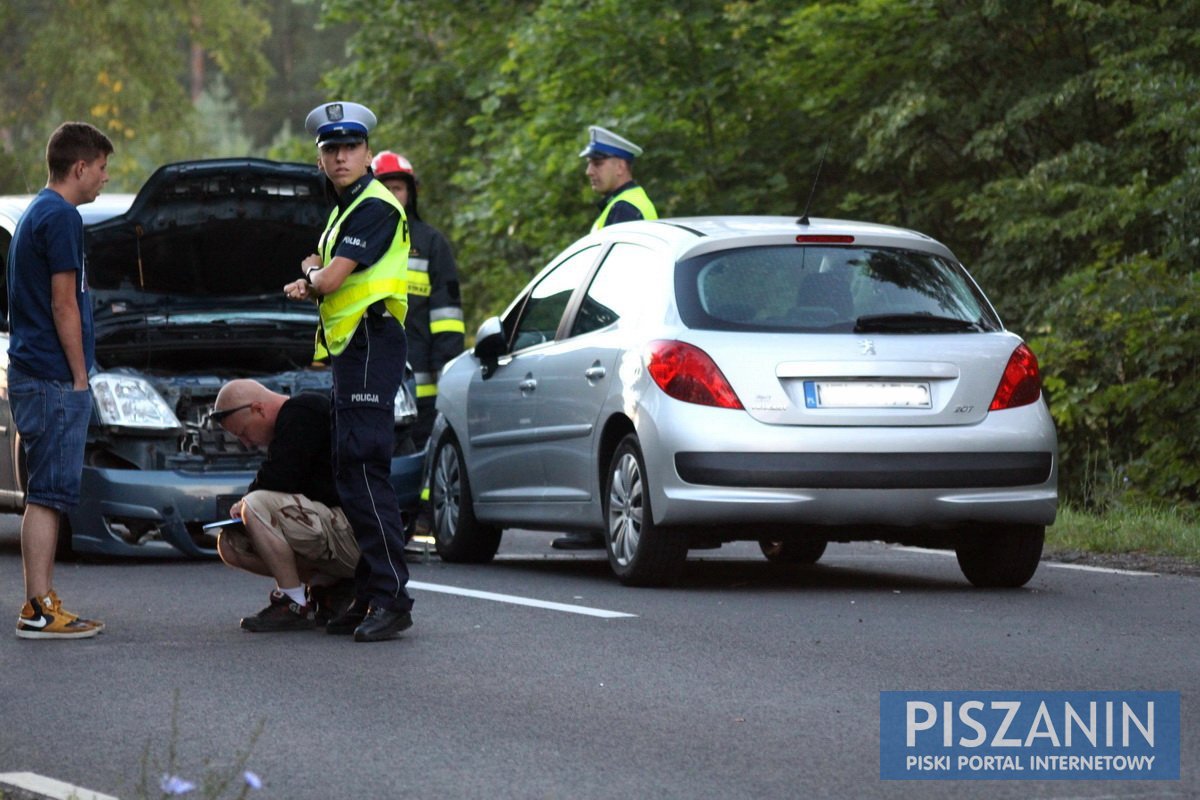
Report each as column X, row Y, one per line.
column 458, row 535
column 639, row 552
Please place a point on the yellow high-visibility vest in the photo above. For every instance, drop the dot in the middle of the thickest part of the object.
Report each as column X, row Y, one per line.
column 385, row 280
column 634, row 195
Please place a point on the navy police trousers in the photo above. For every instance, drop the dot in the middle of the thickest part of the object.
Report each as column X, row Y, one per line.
column 366, row 377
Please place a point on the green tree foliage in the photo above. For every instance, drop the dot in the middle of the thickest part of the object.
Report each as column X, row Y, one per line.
column 300, row 49
column 491, row 101
column 126, row 67
column 1123, row 337
column 1052, row 143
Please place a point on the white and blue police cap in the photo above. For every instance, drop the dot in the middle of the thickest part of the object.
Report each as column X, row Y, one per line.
column 340, row 122
column 603, row 142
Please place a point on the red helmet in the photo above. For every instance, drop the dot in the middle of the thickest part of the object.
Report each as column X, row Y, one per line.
column 389, row 163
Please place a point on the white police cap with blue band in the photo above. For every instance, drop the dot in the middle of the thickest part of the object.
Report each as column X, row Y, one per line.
column 603, row 142
column 340, row 122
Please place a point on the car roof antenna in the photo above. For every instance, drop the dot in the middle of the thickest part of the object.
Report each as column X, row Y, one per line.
column 813, row 191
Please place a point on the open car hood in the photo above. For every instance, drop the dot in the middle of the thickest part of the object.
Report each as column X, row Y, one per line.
column 219, row 227
column 193, row 272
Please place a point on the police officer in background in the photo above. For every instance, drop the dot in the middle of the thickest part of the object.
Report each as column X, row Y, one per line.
column 435, row 317
column 610, row 172
column 358, row 277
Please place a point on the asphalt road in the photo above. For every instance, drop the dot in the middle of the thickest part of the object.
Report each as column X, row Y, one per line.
column 746, row 681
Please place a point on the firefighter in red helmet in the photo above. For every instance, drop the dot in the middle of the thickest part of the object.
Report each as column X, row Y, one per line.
column 435, row 317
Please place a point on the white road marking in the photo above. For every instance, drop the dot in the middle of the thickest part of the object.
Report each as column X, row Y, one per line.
column 519, row 601
column 1056, row 564
column 41, row 786
column 1109, row 570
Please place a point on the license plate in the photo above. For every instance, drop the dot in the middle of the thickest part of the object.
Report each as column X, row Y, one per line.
column 866, row 394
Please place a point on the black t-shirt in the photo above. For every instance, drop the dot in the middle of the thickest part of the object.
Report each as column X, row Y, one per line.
column 300, row 457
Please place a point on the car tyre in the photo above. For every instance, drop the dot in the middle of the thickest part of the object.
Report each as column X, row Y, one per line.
column 796, row 551
column 639, row 552
column 1001, row 558
column 459, row 536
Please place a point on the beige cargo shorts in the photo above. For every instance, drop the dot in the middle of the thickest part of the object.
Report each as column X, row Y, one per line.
column 313, row 530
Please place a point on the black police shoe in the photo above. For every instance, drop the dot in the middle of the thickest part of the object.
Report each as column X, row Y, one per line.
column 381, row 624
column 345, row 623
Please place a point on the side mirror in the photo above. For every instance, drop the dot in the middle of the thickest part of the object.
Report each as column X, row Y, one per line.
column 489, row 342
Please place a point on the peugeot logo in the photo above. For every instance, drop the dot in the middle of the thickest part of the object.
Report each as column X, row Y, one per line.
column 867, row 346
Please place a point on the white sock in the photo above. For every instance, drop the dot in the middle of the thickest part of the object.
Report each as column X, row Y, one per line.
column 297, row 594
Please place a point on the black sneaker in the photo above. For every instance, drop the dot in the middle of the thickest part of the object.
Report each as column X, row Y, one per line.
column 332, row 601
column 284, row 614
column 345, row 623
column 381, row 624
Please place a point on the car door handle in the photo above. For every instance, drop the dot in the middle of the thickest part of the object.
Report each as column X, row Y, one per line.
column 594, row 373
column 527, row 385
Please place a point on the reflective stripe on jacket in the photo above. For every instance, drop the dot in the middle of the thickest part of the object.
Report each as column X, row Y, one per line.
column 435, row 316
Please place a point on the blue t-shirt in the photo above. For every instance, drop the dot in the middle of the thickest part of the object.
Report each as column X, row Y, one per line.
column 48, row 239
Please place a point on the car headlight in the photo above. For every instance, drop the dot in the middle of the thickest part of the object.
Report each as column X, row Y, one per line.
column 404, row 407
column 130, row 402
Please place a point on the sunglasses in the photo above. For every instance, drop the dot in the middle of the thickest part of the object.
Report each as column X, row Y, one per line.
column 218, row 416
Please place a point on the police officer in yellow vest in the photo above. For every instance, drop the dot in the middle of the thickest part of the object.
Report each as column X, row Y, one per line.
column 434, row 326
column 359, row 278
column 610, row 172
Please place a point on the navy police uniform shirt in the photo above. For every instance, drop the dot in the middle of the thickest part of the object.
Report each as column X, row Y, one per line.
column 621, row 210
column 368, row 232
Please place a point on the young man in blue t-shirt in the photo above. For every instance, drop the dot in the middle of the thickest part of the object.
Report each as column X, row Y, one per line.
column 51, row 351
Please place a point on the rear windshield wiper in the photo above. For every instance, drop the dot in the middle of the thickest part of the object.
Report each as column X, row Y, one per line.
column 913, row 323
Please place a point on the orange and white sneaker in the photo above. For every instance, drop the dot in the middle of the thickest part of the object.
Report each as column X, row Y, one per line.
column 45, row 618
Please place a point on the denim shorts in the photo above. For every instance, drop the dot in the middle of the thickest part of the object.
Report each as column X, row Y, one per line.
column 52, row 420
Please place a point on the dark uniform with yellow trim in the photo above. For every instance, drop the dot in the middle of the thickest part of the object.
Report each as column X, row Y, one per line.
column 435, row 316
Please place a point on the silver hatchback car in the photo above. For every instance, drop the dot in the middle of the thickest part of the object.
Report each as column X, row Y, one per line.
column 682, row 383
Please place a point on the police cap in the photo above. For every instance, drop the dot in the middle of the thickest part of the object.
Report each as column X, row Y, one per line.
column 603, row 142
column 340, row 122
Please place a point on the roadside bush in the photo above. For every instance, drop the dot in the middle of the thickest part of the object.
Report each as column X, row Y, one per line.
column 1119, row 355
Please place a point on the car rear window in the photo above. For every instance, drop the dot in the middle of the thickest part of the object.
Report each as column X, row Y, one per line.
column 829, row 289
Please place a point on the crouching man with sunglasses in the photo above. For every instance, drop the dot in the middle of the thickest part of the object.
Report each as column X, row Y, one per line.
column 293, row 528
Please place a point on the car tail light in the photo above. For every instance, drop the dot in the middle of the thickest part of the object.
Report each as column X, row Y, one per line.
column 1021, row 383
column 687, row 373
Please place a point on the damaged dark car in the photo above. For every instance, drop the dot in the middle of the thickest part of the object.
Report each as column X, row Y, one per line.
column 186, row 284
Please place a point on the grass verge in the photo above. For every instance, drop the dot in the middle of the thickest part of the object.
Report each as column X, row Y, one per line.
column 1143, row 531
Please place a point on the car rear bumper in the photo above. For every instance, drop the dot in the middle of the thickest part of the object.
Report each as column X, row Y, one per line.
column 748, row 508
column 741, row 473
column 865, row 470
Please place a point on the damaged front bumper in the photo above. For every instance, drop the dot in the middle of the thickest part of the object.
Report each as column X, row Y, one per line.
column 162, row 513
